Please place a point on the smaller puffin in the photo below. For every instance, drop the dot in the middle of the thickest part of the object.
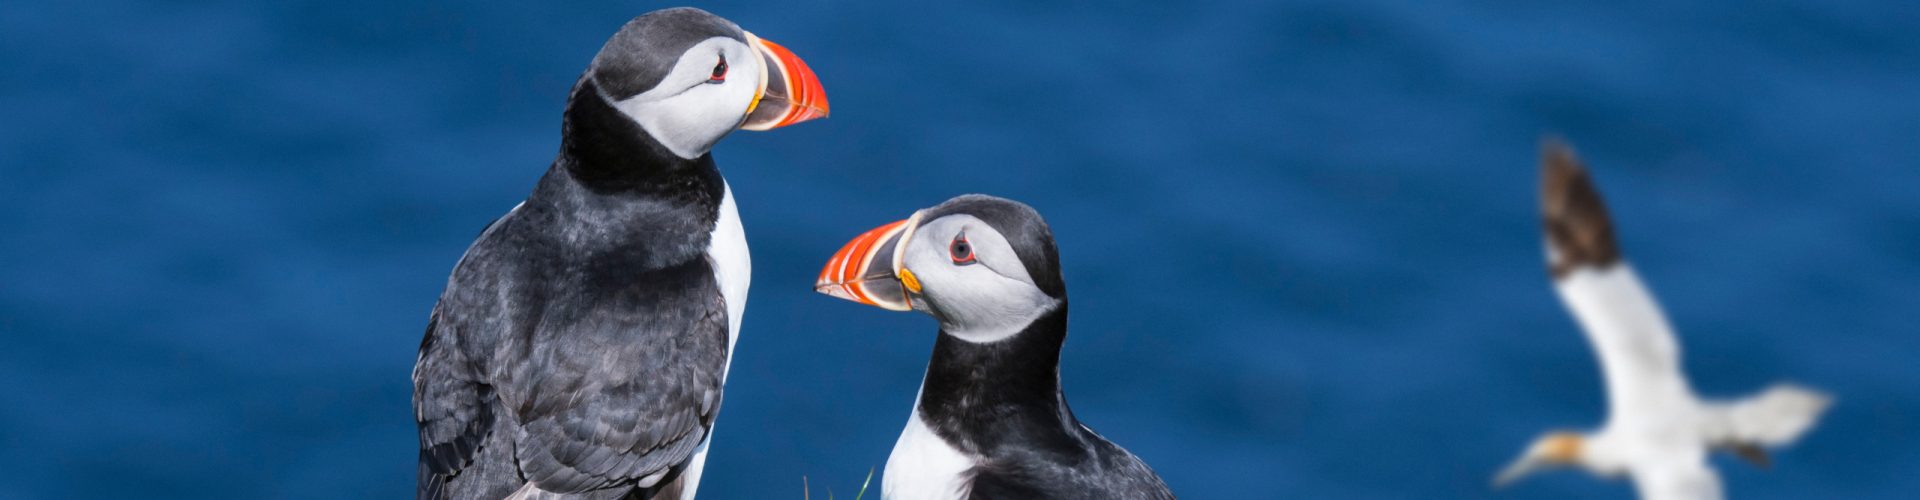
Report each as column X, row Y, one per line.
column 990, row 421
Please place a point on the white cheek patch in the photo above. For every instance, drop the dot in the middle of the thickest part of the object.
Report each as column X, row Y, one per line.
column 992, row 250
column 976, row 303
column 689, row 115
column 993, row 312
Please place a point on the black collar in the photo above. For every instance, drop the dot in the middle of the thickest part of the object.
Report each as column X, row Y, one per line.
column 989, row 398
column 616, row 194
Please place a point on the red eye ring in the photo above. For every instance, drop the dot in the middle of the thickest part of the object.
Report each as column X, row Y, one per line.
column 719, row 71
column 961, row 250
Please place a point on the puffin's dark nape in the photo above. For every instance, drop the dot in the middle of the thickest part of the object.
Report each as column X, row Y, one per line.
column 608, row 153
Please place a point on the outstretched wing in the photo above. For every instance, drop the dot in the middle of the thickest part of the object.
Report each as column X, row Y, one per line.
column 1772, row 418
column 618, row 388
column 1629, row 333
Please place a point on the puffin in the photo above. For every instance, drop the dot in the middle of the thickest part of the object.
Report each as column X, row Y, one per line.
column 580, row 347
column 990, row 421
column 1658, row 433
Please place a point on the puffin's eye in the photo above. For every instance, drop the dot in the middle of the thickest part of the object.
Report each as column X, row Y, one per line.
column 719, row 71
column 961, row 250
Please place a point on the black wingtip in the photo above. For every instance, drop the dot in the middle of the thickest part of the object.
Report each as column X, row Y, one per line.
column 1575, row 217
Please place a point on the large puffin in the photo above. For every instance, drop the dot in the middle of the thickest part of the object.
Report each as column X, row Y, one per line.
column 990, row 421
column 581, row 344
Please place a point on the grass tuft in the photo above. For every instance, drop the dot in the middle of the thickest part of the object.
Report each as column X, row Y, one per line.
column 806, row 490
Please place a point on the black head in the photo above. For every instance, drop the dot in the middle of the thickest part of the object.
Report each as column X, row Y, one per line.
column 648, row 48
column 689, row 77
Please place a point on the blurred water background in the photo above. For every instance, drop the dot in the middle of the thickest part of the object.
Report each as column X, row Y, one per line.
column 1300, row 237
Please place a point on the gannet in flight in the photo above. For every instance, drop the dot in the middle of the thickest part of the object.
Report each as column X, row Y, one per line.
column 1657, row 431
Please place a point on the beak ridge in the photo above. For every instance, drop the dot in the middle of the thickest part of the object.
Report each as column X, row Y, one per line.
column 789, row 91
column 864, row 269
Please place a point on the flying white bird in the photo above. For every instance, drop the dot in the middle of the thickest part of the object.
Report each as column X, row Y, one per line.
column 1657, row 431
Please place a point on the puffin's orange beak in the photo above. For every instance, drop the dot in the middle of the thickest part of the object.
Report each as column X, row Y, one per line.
column 867, row 270
column 789, row 92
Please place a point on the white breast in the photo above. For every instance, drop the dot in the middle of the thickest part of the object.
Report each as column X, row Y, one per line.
column 733, row 270
column 732, row 267
column 923, row 466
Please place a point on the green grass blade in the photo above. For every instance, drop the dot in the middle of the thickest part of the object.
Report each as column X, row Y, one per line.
column 863, row 484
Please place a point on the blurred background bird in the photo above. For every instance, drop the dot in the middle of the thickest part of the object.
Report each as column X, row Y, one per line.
column 1657, row 431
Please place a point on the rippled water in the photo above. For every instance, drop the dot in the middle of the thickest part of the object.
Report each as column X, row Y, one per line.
column 1300, row 236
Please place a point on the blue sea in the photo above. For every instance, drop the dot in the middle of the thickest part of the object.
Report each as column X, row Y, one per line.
column 1300, row 237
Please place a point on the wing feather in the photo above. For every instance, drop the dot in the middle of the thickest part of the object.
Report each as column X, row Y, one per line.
column 1622, row 321
column 452, row 408
column 628, row 398
column 1636, row 348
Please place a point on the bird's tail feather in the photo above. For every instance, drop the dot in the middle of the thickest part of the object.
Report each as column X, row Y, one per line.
column 1772, row 418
